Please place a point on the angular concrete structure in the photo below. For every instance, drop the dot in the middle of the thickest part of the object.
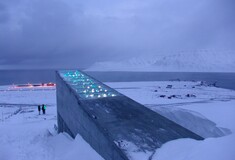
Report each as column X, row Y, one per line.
column 108, row 120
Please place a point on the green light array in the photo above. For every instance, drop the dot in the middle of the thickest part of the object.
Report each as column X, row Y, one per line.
column 85, row 86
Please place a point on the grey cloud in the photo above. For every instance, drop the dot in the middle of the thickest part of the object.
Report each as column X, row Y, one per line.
column 3, row 14
column 70, row 33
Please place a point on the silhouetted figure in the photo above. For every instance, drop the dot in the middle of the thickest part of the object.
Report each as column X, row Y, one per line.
column 39, row 109
column 43, row 109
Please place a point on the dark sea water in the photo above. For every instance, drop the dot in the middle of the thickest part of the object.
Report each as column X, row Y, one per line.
column 224, row 80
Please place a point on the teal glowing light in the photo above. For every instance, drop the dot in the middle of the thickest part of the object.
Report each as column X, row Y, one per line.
column 85, row 86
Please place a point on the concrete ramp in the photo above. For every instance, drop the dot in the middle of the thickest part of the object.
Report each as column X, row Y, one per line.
column 110, row 121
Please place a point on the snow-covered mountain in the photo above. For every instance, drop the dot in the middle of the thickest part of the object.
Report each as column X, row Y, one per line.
column 183, row 61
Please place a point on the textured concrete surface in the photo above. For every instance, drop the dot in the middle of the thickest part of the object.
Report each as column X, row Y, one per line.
column 105, row 123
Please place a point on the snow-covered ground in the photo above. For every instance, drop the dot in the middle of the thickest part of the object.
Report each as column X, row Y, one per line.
column 182, row 61
column 26, row 135
column 208, row 111
column 200, row 108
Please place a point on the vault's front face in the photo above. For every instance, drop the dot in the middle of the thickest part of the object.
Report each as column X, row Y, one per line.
column 87, row 87
column 108, row 120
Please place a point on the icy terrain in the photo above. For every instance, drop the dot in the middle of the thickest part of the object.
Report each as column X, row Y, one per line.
column 183, row 61
column 208, row 111
column 26, row 135
column 196, row 106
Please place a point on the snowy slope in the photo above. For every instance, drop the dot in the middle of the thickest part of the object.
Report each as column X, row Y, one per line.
column 193, row 112
column 185, row 61
column 25, row 135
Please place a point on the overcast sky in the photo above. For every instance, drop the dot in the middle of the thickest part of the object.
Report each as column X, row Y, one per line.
column 75, row 33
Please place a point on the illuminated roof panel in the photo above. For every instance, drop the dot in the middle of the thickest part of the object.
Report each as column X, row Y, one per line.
column 85, row 86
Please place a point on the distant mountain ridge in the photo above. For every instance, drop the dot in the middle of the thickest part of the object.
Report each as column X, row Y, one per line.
column 183, row 61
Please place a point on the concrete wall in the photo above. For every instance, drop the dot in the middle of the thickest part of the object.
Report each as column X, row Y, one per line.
column 73, row 119
column 107, row 122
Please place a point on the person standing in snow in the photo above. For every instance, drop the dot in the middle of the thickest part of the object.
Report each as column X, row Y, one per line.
column 39, row 109
column 43, row 109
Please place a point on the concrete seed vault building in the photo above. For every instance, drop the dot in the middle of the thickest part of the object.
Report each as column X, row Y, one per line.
column 110, row 122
